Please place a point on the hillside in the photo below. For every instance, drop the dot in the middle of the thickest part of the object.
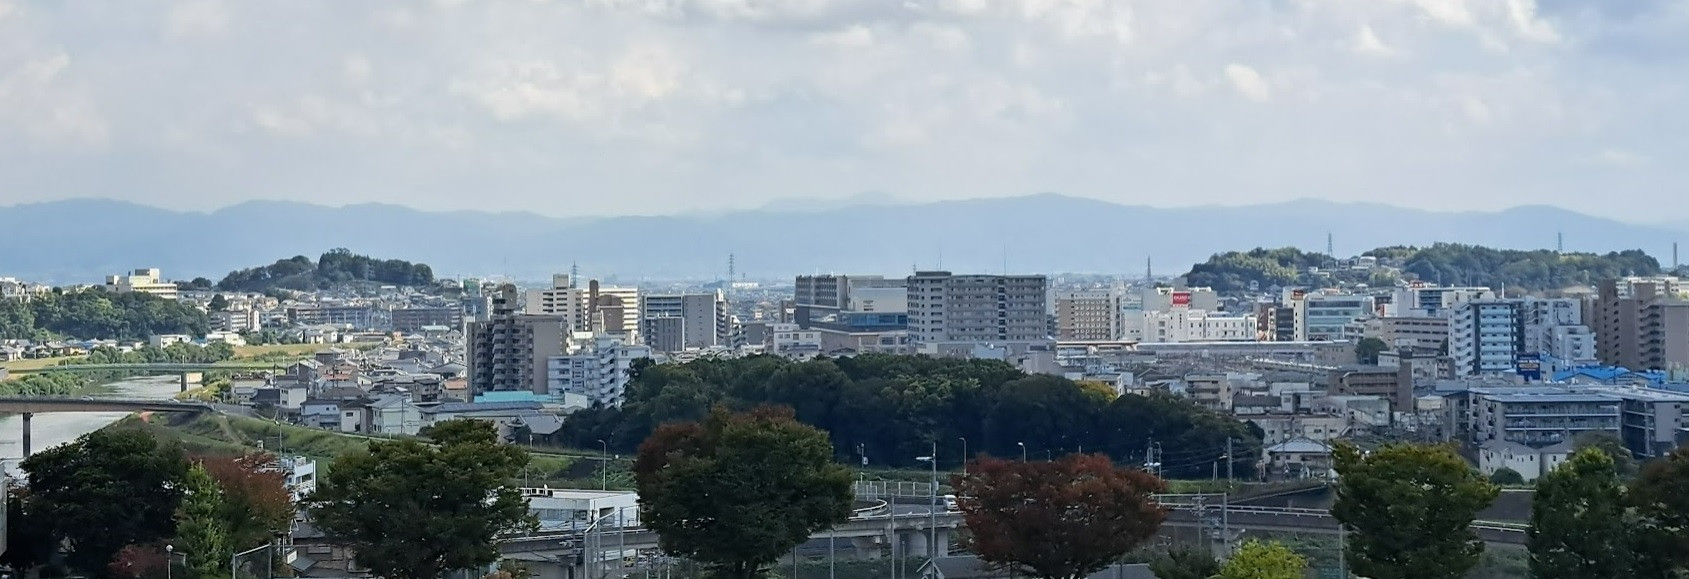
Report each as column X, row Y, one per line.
column 337, row 267
column 1444, row 263
column 1047, row 233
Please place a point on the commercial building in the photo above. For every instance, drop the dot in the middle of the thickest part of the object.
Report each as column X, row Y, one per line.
column 1095, row 315
column 699, row 320
column 1409, row 332
column 1163, row 298
column 146, row 281
column 1328, row 316
column 983, row 309
column 509, row 350
column 818, row 300
column 1390, row 384
column 1187, row 325
column 791, row 341
column 1641, row 323
column 597, row 368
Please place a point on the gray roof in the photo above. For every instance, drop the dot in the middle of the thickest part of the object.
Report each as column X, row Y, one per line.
column 463, row 407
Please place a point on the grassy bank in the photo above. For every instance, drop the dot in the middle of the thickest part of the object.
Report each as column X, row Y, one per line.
column 34, row 364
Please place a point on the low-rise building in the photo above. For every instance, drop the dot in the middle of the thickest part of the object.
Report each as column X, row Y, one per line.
column 146, row 281
column 1530, row 463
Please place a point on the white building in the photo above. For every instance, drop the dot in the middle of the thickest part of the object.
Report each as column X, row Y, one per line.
column 791, row 341
column 1529, row 462
column 1494, row 336
column 676, row 322
column 146, row 281
column 1328, row 316
column 577, row 510
column 973, row 308
column 1188, row 325
column 299, row 474
column 1161, row 299
column 1431, row 301
column 597, row 368
column 1096, row 315
column 594, row 308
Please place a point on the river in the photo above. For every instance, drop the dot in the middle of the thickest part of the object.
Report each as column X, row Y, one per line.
column 52, row 429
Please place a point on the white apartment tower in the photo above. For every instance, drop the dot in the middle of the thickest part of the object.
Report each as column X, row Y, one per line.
column 595, row 308
column 977, row 308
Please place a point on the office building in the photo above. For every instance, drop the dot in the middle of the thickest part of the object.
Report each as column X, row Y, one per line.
column 1163, row 298
column 1431, row 301
column 1096, row 315
column 594, row 308
column 1641, row 323
column 146, row 281
column 1328, row 316
column 791, row 341
column 1409, row 332
column 825, row 300
column 1187, row 325
column 509, row 351
column 703, row 320
column 598, row 368
column 988, row 309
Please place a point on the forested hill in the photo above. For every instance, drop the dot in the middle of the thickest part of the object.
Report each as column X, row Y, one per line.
column 1443, row 263
column 338, row 266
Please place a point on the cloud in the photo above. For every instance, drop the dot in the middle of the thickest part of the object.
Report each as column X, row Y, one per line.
column 1248, row 82
column 663, row 106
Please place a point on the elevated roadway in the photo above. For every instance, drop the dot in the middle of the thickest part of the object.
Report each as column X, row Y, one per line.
column 159, row 368
column 29, row 406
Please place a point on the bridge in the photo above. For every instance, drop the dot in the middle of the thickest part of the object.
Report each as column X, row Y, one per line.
column 158, row 368
column 28, row 407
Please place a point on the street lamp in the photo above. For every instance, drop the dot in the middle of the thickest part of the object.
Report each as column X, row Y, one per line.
column 1022, row 451
column 932, row 507
column 604, row 466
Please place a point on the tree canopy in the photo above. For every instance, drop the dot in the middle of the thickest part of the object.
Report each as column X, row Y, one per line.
column 1061, row 519
column 1578, row 528
column 1661, row 528
column 1258, row 560
column 1409, row 509
column 737, row 491
column 104, row 491
column 889, row 409
column 338, row 266
column 96, row 314
column 412, row 510
column 1445, row 263
column 202, row 535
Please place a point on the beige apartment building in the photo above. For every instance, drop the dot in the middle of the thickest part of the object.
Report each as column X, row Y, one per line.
column 509, row 350
column 1641, row 323
column 1096, row 315
column 146, row 281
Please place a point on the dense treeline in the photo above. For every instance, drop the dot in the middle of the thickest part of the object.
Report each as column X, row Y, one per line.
column 1444, row 263
column 890, row 409
column 95, row 314
column 68, row 384
column 338, row 266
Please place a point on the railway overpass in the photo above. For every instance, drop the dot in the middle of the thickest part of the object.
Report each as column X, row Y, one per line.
column 28, row 407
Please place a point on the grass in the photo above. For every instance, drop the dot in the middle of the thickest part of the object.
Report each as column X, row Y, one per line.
column 34, row 364
column 276, row 349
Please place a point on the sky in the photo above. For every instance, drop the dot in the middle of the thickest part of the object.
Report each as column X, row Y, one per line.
column 606, row 107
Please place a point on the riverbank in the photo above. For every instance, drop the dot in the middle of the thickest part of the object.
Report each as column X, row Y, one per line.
column 52, row 429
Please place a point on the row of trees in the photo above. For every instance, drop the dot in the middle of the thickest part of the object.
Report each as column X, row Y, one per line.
column 66, row 384
column 96, row 314
column 1448, row 263
column 887, row 410
column 338, row 266
column 113, row 500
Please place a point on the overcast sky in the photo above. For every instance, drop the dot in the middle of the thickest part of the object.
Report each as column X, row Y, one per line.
column 593, row 107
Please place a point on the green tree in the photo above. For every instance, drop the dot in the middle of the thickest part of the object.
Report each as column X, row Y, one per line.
column 1661, row 528
column 1624, row 463
column 1506, row 476
column 738, row 491
column 1409, row 509
column 1257, row 560
column 1061, row 519
column 218, row 303
column 1368, row 349
column 106, row 490
column 1185, row 564
column 1578, row 528
column 411, row 510
column 202, row 535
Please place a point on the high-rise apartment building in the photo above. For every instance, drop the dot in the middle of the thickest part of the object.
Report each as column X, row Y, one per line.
column 704, row 320
column 599, row 369
column 509, row 350
column 1432, row 301
column 977, row 308
column 146, row 281
column 1517, row 335
column 1641, row 323
column 594, row 308
column 1090, row 315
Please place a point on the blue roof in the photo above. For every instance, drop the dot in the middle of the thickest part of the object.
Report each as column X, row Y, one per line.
column 461, row 407
column 510, row 396
column 1609, row 374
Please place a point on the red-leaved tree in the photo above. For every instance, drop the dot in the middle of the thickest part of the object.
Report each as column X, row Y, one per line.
column 139, row 562
column 257, row 503
column 1063, row 519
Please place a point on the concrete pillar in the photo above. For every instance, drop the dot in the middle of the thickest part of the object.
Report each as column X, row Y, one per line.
column 26, row 417
column 942, row 549
column 866, row 548
column 918, row 545
column 184, row 382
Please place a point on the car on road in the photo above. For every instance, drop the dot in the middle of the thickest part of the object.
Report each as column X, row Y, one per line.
column 950, row 503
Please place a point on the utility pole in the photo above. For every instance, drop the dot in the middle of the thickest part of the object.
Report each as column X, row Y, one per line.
column 1230, row 461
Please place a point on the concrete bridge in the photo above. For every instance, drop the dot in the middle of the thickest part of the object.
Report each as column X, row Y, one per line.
column 158, row 368
column 28, row 407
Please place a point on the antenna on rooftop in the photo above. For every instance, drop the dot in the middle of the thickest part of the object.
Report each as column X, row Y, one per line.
column 574, row 272
column 1559, row 242
column 1149, row 268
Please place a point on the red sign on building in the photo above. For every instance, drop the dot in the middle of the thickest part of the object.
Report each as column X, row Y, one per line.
column 1182, row 299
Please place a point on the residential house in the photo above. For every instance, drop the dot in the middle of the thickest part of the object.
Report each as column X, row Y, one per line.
column 1530, row 463
column 1298, row 458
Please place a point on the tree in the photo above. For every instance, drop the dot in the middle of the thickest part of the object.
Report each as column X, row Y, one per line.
column 256, row 502
column 1409, row 509
column 1661, row 528
column 202, row 535
column 1062, row 519
column 1368, row 349
column 218, row 303
column 737, row 491
column 1185, row 564
column 1578, row 528
column 140, row 562
column 106, row 490
column 1506, row 476
column 411, row 510
column 1624, row 463
column 29, row 538
column 1257, row 560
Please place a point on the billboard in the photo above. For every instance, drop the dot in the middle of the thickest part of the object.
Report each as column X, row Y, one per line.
column 1181, row 299
column 1528, row 366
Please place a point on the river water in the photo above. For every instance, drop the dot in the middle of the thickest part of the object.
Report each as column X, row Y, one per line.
column 52, row 429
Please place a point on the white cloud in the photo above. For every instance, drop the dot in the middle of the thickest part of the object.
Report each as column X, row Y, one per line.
column 855, row 36
column 34, row 96
column 1248, row 82
column 1367, row 42
column 1620, row 158
column 197, row 18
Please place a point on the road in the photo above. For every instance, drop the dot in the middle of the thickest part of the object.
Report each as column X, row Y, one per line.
column 53, row 429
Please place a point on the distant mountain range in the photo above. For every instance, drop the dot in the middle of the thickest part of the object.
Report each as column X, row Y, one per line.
column 79, row 241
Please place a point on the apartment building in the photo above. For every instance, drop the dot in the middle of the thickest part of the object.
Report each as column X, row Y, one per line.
column 594, row 308
column 1539, row 417
column 792, row 341
column 1409, row 332
column 1186, row 325
column 598, row 368
column 699, row 320
column 509, row 350
column 1095, row 315
column 356, row 316
column 146, row 281
column 1390, row 384
column 236, row 320
column 1641, row 323
column 1486, row 337
column 994, row 309
column 1431, row 301
column 415, row 319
